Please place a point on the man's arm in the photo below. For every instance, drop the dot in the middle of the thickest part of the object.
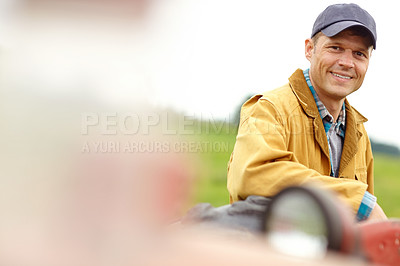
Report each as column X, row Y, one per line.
column 377, row 214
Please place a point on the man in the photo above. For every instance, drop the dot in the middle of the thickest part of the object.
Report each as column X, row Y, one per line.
column 306, row 131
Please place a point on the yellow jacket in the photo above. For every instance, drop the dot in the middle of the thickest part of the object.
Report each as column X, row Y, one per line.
column 281, row 142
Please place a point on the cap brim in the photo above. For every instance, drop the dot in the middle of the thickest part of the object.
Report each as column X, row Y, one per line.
column 335, row 28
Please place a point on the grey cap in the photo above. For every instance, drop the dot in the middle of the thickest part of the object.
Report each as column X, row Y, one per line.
column 336, row 18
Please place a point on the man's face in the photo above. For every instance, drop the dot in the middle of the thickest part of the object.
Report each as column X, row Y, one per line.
column 338, row 64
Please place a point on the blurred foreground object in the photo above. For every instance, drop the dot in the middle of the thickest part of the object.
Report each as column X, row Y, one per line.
column 380, row 241
column 304, row 222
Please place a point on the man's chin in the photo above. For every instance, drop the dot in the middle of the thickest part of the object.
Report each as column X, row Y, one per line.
column 339, row 93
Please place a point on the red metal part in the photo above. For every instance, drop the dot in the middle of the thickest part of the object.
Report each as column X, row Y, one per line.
column 381, row 241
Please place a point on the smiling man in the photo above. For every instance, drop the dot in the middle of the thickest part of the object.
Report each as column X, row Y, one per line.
column 306, row 131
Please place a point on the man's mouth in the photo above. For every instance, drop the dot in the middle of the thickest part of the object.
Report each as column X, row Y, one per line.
column 341, row 76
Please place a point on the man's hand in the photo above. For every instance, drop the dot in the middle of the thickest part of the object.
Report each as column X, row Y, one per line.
column 377, row 214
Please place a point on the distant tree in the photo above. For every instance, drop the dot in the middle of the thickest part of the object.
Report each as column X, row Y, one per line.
column 379, row 147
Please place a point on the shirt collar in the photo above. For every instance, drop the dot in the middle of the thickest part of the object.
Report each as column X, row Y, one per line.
column 326, row 117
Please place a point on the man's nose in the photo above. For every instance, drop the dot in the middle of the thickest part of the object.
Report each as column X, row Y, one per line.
column 346, row 59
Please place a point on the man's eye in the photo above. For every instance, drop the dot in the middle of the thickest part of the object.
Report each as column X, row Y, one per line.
column 360, row 54
column 336, row 48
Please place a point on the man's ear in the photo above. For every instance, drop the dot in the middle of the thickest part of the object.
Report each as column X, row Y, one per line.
column 309, row 48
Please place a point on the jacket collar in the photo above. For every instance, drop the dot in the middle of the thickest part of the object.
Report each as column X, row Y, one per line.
column 353, row 118
column 302, row 91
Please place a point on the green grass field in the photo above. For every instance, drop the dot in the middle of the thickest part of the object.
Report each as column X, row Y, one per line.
column 210, row 185
column 387, row 183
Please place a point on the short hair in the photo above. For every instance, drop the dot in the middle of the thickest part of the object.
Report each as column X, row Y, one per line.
column 316, row 37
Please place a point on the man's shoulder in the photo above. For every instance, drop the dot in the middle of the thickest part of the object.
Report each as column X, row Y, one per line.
column 280, row 95
column 359, row 118
column 281, row 98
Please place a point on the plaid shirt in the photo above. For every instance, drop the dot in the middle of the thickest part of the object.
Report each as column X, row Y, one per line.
column 327, row 118
column 368, row 202
column 334, row 131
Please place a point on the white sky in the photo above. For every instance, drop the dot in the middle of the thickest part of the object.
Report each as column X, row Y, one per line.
column 201, row 57
column 213, row 53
